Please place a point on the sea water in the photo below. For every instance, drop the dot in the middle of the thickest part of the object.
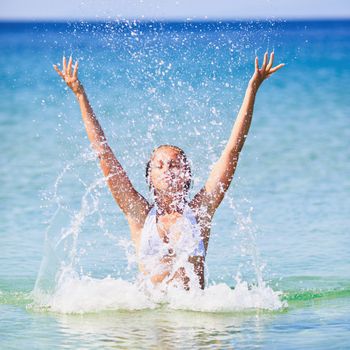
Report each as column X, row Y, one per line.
column 277, row 265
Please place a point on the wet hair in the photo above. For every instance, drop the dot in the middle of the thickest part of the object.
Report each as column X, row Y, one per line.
column 184, row 158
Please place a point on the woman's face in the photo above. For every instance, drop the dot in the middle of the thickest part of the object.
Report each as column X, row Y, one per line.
column 168, row 170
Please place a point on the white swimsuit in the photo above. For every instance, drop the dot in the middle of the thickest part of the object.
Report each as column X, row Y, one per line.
column 184, row 241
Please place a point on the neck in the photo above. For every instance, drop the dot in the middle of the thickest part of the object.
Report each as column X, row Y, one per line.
column 169, row 204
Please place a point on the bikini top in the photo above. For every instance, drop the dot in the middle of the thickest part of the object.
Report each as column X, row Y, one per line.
column 184, row 238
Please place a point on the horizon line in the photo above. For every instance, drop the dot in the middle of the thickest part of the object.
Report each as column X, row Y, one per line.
column 170, row 19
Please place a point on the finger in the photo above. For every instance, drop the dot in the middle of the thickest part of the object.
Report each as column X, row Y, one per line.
column 64, row 63
column 256, row 63
column 268, row 67
column 275, row 69
column 69, row 69
column 263, row 67
column 58, row 71
column 75, row 71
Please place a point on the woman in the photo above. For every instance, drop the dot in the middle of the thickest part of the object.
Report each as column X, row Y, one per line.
column 171, row 237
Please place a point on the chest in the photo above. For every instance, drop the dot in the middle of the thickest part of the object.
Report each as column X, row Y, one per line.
column 165, row 227
column 175, row 232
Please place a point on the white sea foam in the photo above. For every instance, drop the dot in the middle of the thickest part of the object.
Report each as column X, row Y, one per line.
column 86, row 294
column 222, row 298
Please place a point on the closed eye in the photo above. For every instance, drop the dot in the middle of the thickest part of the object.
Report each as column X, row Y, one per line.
column 158, row 165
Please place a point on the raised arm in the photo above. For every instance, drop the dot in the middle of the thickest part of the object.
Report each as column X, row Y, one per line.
column 222, row 173
column 133, row 205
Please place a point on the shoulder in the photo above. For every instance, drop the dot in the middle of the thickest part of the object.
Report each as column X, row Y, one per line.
column 137, row 226
column 201, row 205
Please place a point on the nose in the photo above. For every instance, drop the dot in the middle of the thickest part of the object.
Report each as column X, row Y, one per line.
column 169, row 171
column 168, row 166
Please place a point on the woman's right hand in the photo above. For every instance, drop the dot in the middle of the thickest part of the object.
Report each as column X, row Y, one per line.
column 71, row 78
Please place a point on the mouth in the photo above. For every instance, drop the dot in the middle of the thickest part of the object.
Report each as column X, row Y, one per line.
column 169, row 178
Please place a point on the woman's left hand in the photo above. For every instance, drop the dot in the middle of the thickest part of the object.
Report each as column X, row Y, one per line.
column 266, row 70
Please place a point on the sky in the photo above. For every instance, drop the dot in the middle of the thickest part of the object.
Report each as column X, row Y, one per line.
column 171, row 9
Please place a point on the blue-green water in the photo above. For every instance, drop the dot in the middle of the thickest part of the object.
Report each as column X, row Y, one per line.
column 285, row 219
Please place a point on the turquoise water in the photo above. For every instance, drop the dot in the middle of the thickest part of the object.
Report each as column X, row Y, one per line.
column 285, row 220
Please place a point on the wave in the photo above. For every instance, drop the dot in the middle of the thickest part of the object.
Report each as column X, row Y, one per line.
column 80, row 295
column 86, row 294
column 315, row 287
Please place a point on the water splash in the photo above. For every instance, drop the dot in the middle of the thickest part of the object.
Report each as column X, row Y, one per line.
column 63, row 287
column 85, row 294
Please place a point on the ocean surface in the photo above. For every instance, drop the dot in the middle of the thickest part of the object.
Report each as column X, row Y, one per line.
column 278, row 264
